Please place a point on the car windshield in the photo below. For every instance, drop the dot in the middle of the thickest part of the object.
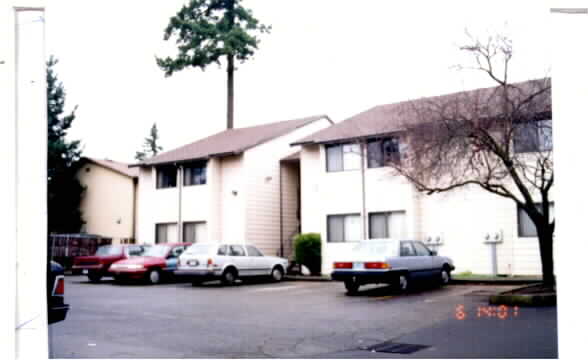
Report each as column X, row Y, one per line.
column 109, row 250
column 157, row 250
column 373, row 248
column 199, row 249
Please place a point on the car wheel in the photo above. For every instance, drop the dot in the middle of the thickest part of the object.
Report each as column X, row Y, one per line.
column 229, row 277
column 445, row 277
column 93, row 277
column 351, row 285
column 153, row 276
column 403, row 282
column 277, row 274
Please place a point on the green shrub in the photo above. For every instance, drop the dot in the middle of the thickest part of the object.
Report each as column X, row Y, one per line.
column 307, row 249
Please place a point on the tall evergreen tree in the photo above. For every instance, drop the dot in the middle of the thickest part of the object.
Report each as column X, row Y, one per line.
column 208, row 30
column 150, row 145
column 64, row 191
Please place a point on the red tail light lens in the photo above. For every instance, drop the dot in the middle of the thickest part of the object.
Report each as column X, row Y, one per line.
column 59, row 286
column 210, row 263
column 376, row 265
column 343, row 265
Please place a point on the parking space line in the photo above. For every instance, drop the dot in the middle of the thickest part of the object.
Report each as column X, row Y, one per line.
column 276, row 288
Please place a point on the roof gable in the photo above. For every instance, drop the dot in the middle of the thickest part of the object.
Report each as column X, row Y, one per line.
column 118, row 167
column 387, row 119
column 230, row 142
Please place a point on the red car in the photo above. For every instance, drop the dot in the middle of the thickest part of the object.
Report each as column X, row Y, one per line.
column 98, row 265
column 157, row 262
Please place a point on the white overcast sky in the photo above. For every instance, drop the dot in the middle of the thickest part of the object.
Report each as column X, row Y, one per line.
column 333, row 57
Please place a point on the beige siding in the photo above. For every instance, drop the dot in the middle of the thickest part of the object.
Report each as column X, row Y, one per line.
column 263, row 183
column 233, row 193
column 460, row 219
column 290, row 199
column 107, row 203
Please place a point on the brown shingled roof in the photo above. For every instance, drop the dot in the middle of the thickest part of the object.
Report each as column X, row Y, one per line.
column 229, row 142
column 386, row 119
column 119, row 167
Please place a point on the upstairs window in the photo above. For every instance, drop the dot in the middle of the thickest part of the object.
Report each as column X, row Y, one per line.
column 342, row 157
column 195, row 174
column 533, row 136
column 166, row 177
column 383, row 151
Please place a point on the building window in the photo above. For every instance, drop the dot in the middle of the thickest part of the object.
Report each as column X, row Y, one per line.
column 343, row 157
column 166, row 177
column 165, row 233
column 383, row 151
column 525, row 224
column 533, row 136
column 343, row 228
column 194, row 232
column 195, row 174
column 388, row 225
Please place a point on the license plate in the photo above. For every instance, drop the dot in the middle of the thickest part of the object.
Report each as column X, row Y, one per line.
column 358, row 266
column 85, row 271
column 192, row 262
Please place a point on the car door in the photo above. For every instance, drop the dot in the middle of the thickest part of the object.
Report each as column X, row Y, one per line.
column 407, row 255
column 424, row 260
column 240, row 260
column 260, row 265
column 171, row 261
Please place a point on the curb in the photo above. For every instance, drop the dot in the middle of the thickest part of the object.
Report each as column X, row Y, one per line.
column 505, row 281
column 504, row 298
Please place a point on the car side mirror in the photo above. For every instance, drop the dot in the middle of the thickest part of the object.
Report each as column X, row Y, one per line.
column 433, row 253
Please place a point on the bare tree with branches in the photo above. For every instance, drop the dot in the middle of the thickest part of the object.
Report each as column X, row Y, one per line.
column 498, row 139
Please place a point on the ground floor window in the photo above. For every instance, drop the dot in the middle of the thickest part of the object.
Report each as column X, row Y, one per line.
column 525, row 224
column 165, row 233
column 343, row 228
column 194, row 231
column 388, row 225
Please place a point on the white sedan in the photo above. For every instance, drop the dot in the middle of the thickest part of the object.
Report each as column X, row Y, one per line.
column 394, row 262
column 228, row 262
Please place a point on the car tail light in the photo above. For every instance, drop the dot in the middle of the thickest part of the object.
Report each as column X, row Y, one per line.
column 342, row 265
column 376, row 265
column 209, row 263
column 59, row 286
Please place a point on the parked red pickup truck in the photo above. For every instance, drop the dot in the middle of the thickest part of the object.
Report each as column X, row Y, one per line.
column 98, row 265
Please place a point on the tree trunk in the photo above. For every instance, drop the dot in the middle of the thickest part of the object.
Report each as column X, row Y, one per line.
column 230, row 95
column 546, row 250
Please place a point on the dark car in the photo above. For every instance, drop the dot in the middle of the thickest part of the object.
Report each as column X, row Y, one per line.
column 56, row 308
column 98, row 265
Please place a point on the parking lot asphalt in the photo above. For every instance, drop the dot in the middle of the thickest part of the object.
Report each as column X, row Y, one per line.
column 293, row 319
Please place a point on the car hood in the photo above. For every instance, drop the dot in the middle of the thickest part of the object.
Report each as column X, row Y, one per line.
column 142, row 260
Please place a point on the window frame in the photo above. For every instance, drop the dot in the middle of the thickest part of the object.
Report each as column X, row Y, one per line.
column 388, row 214
column 164, row 170
column 184, row 223
column 156, row 232
column 521, row 211
column 381, row 159
column 342, row 156
column 329, row 240
column 189, row 168
column 537, row 140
